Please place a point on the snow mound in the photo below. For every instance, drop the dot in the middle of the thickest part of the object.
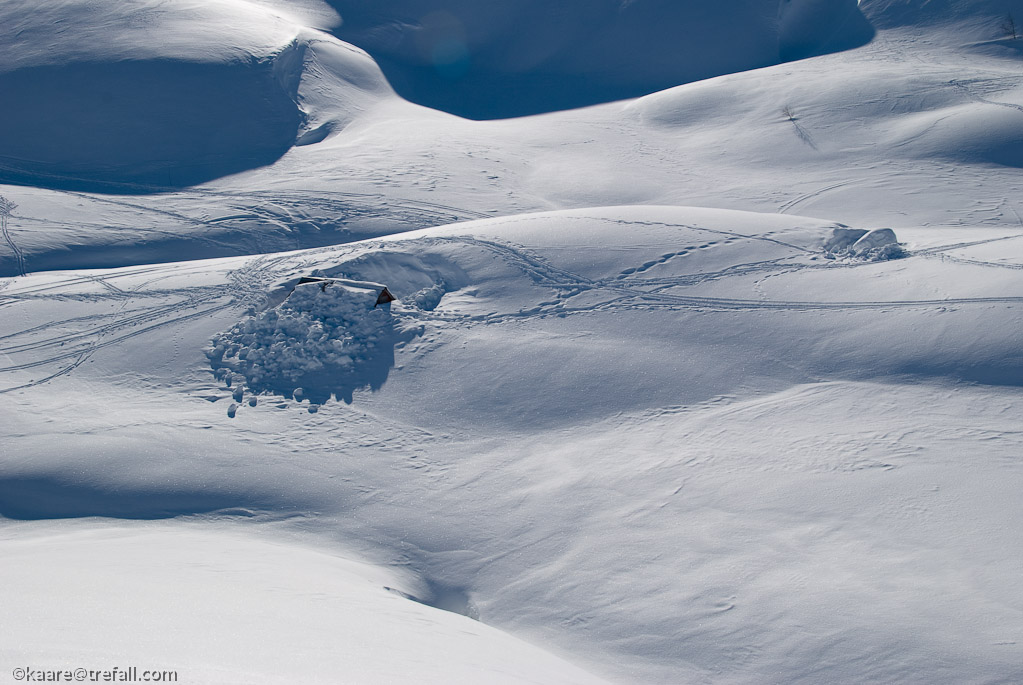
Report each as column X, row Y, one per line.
column 873, row 240
column 327, row 338
column 877, row 245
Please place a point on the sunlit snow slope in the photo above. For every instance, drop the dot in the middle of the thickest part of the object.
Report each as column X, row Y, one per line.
column 720, row 384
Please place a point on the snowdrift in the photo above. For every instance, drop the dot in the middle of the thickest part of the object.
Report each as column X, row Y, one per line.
column 128, row 97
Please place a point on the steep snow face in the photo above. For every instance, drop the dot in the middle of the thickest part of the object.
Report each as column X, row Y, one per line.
column 812, row 27
column 495, row 59
column 101, row 94
column 162, row 123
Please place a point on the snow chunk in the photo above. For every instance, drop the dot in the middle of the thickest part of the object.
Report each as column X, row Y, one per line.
column 876, row 245
column 843, row 238
column 879, row 238
column 326, row 338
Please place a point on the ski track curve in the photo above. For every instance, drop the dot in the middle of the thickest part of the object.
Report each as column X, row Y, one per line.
column 649, row 294
column 787, row 207
column 19, row 255
column 628, row 289
column 71, row 349
column 963, row 85
column 290, row 219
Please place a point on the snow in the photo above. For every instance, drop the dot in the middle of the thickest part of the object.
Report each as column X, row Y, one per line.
column 325, row 334
column 122, row 96
column 495, row 60
column 270, row 611
column 716, row 384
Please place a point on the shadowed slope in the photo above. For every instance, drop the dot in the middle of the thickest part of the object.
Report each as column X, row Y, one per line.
column 154, row 122
column 490, row 60
column 130, row 97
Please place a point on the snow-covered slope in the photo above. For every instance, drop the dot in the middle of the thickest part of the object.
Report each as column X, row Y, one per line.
column 121, row 95
column 719, row 384
column 680, row 444
column 498, row 59
column 270, row 612
column 921, row 121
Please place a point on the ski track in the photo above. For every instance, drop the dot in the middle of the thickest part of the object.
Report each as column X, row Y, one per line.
column 639, row 296
column 289, row 219
column 958, row 246
column 787, row 207
column 629, row 289
column 105, row 329
column 30, row 293
column 963, row 85
column 978, row 262
column 284, row 207
column 19, row 256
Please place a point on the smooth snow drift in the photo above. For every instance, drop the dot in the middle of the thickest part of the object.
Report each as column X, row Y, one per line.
column 216, row 605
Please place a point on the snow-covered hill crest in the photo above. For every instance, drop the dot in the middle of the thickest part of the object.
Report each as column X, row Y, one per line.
column 135, row 96
column 489, row 59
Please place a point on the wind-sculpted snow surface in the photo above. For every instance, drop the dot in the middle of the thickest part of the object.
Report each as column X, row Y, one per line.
column 913, row 129
column 966, row 16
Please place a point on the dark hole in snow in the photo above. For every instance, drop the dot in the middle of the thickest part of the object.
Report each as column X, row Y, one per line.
column 444, row 597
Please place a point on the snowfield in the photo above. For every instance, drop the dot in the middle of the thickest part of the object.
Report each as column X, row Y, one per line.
column 719, row 383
